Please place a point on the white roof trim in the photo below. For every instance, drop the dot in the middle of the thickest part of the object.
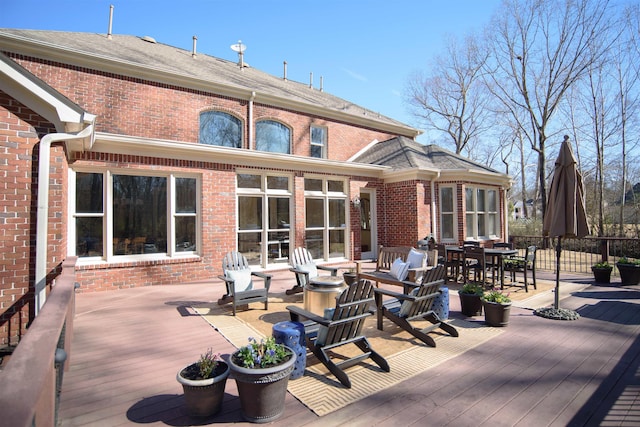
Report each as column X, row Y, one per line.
column 40, row 97
column 139, row 146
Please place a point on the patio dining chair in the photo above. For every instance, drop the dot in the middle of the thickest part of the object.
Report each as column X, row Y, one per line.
column 474, row 260
column 340, row 326
column 305, row 268
column 238, row 278
column 518, row 264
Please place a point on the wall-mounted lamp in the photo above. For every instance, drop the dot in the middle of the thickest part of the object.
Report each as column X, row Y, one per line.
column 356, row 202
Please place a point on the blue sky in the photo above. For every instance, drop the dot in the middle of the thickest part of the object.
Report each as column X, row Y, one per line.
column 364, row 50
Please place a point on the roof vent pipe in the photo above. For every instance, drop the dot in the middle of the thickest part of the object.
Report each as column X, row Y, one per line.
column 193, row 52
column 110, row 22
column 321, row 83
column 311, row 80
column 285, row 70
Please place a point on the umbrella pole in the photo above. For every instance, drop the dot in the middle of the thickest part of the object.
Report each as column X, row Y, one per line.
column 558, row 251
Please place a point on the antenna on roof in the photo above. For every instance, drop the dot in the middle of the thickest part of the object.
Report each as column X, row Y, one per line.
column 110, row 22
column 240, row 48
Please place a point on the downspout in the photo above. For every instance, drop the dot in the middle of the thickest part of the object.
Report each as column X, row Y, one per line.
column 434, row 211
column 251, row 142
column 42, row 216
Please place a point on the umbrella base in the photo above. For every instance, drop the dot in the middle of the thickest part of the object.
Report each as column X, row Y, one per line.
column 557, row 313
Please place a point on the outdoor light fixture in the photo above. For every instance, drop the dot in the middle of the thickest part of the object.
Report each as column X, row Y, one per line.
column 356, row 202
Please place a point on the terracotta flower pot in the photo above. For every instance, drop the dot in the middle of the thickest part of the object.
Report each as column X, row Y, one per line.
column 496, row 314
column 203, row 398
column 262, row 391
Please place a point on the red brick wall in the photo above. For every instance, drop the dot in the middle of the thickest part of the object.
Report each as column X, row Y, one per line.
column 20, row 131
column 137, row 107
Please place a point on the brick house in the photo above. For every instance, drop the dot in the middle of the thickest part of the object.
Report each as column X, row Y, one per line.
column 150, row 162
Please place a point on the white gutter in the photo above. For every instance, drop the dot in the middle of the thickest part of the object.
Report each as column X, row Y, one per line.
column 42, row 216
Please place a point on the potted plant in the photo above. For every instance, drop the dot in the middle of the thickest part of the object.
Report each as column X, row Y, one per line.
column 262, row 370
column 203, row 383
column 470, row 299
column 497, row 307
column 629, row 271
column 602, row 272
column 350, row 276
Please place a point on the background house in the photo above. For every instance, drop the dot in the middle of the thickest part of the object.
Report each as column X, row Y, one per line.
column 150, row 162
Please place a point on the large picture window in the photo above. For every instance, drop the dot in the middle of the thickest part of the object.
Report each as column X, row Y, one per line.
column 264, row 210
column 325, row 218
column 220, row 128
column 273, row 136
column 481, row 213
column 140, row 215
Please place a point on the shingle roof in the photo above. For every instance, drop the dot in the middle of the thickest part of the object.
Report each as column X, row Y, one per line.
column 404, row 153
column 135, row 51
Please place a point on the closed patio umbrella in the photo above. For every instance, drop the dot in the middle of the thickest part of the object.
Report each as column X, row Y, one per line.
column 565, row 215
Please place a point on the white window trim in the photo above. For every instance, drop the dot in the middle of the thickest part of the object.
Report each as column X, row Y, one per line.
column 453, row 188
column 323, row 155
column 265, row 193
column 486, row 213
column 107, row 214
column 327, row 195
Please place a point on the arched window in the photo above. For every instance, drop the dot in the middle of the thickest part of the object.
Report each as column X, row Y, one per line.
column 220, row 128
column 273, row 136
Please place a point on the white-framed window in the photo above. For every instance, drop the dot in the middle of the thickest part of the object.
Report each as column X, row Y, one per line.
column 326, row 205
column 220, row 128
column 482, row 220
column 273, row 136
column 264, row 217
column 319, row 142
column 119, row 214
column 447, row 213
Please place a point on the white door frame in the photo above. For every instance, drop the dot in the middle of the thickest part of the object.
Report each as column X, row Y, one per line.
column 370, row 194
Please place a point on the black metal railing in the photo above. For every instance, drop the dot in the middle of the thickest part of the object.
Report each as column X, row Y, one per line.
column 578, row 255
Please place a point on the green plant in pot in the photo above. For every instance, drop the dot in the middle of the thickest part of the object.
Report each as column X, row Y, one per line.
column 203, row 383
column 261, row 370
column 629, row 271
column 470, row 302
column 497, row 307
column 602, row 272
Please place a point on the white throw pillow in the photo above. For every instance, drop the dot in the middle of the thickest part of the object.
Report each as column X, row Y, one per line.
column 399, row 269
column 241, row 278
column 309, row 268
column 406, row 305
column 416, row 259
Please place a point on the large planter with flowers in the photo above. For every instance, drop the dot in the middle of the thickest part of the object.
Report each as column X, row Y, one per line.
column 261, row 371
column 497, row 308
column 203, row 383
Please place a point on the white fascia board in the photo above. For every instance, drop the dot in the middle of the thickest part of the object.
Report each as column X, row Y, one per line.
column 138, row 146
column 414, row 174
column 472, row 175
column 104, row 63
column 23, row 86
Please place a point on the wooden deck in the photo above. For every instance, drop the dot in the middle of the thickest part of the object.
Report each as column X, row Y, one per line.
column 128, row 346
